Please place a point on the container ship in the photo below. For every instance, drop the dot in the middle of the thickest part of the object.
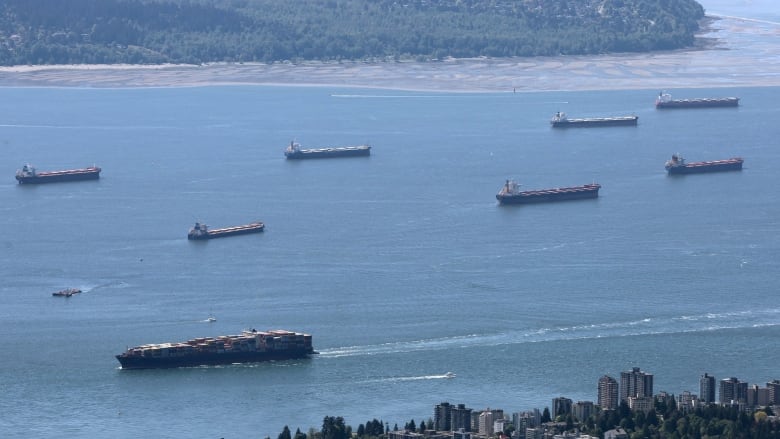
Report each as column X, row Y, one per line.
column 29, row 175
column 201, row 231
column 511, row 193
column 560, row 120
column 677, row 165
column 250, row 346
column 665, row 100
column 295, row 152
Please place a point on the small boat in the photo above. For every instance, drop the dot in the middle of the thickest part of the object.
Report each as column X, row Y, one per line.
column 449, row 375
column 66, row 292
column 211, row 319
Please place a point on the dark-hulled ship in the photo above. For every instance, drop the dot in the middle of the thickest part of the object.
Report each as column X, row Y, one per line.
column 560, row 120
column 511, row 193
column 294, row 152
column 677, row 165
column 250, row 346
column 29, row 175
column 201, row 231
column 664, row 100
column 67, row 292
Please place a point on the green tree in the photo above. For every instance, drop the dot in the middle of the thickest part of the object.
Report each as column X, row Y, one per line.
column 334, row 428
column 285, row 434
column 546, row 415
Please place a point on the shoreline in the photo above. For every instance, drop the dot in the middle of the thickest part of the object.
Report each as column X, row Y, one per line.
column 730, row 52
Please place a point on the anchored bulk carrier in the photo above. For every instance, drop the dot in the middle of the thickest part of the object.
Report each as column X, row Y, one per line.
column 250, row 346
column 201, row 231
column 560, row 120
column 677, row 165
column 511, row 193
column 665, row 100
column 294, row 151
column 29, row 175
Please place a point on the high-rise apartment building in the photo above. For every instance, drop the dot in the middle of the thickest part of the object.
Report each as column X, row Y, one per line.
column 635, row 384
column 561, row 406
column 774, row 391
column 460, row 418
column 608, row 393
column 732, row 391
column 707, row 389
column 442, row 416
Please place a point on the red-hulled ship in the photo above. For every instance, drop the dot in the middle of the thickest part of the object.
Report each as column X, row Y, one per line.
column 677, row 165
column 511, row 193
column 29, row 175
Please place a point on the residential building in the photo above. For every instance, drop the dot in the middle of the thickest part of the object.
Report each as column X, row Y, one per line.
column 641, row 403
column 757, row 396
column 499, row 424
column 687, row 401
column 442, row 417
column 732, row 391
column 707, row 389
column 635, row 384
column 429, row 434
column 774, row 392
column 561, row 406
column 486, row 423
column 525, row 420
column 582, row 410
column 460, row 418
column 534, row 433
column 608, row 393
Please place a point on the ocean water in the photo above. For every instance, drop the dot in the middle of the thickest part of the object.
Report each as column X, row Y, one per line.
column 401, row 265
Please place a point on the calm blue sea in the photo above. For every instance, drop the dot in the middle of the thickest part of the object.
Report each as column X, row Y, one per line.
column 401, row 265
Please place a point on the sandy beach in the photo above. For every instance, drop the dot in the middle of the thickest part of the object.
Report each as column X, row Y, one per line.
column 731, row 52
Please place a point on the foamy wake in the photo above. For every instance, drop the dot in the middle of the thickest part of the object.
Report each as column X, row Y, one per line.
column 634, row 328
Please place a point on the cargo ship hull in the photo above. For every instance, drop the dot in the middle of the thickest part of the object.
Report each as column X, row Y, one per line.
column 250, row 346
column 698, row 103
column 199, row 232
column 322, row 153
column 704, row 167
column 209, row 359
column 595, row 122
column 549, row 195
column 59, row 176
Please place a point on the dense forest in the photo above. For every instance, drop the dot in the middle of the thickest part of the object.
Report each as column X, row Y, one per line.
column 202, row 31
column 664, row 421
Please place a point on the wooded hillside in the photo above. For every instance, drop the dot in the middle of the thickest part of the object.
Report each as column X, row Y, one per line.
column 200, row 31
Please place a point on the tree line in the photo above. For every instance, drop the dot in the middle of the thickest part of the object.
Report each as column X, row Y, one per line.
column 664, row 421
column 202, row 31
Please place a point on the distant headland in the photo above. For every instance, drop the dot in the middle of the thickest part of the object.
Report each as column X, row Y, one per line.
column 730, row 52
